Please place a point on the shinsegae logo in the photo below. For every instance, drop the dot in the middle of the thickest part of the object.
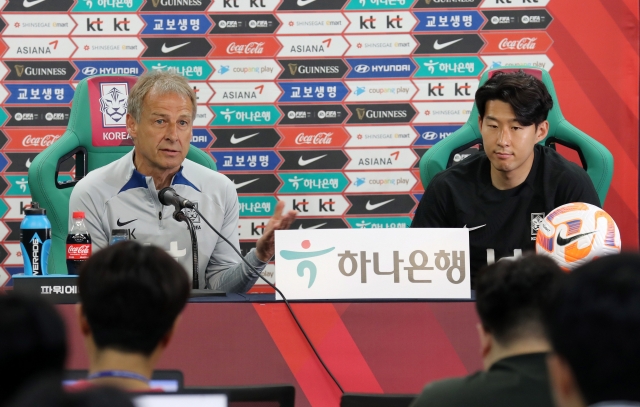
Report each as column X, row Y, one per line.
column 305, row 264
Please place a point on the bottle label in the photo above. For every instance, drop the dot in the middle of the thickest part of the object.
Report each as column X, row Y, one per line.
column 33, row 242
column 78, row 251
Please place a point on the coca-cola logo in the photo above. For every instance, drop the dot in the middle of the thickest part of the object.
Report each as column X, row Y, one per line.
column 79, row 250
column 250, row 48
column 527, row 43
column 320, row 138
column 44, row 141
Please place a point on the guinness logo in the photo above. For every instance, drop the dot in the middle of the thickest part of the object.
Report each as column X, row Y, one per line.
column 428, row 1
column 20, row 70
column 360, row 111
column 293, row 68
column 155, row 3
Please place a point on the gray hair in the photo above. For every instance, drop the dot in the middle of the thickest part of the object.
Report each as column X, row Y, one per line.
column 161, row 82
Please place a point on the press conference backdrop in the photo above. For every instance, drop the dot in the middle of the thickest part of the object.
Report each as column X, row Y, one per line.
column 325, row 104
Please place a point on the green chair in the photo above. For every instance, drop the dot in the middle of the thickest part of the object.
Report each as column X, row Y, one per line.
column 89, row 117
column 595, row 158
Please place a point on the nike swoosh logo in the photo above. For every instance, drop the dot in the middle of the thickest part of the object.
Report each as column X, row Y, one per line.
column 124, row 223
column 302, row 162
column 236, row 140
column 438, row 46
column 474, row 228
column 376, row 206
column 242, row 184
column 27, row 3
column 314, row 227
column 28, row 163
column 565, row 241
column 302, row 3
column 166, row 49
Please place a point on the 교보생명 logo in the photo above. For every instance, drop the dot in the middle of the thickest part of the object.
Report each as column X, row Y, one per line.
column 305, row 264
column 113, row 103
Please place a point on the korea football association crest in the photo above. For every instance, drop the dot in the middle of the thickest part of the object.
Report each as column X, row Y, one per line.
column 536, row 221
column 113, row 103
column 192, row 214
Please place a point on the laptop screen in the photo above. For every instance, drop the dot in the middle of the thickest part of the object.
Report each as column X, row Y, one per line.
column 180, row 400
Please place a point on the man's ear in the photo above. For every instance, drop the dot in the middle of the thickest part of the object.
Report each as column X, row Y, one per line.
column 564, row 387
column 541, row 131
column 83, row 323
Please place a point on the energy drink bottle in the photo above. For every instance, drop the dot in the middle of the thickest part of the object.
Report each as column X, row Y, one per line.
column 35, row 240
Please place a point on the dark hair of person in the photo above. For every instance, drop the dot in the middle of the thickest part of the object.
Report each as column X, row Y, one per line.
column 527, row 95
column 593, row 323
column 32, row 342
column 48, row 392
column 511, row 294
column 131, row 295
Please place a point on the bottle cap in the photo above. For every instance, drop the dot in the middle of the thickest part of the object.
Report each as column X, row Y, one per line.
column 35, row 209
column 78, row 214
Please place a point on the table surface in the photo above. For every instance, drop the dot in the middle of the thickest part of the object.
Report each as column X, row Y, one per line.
column 371, row 347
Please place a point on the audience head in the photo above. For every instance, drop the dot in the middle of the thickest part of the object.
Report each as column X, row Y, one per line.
column 510, row 296
column 48, row 392
column 593, row 324
column 130, row 297
column 527, row 95
column 32, row 342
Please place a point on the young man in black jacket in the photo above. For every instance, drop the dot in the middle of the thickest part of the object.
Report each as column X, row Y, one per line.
column 502, row 194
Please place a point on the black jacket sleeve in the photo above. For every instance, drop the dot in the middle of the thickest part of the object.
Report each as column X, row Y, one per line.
column 434, row 209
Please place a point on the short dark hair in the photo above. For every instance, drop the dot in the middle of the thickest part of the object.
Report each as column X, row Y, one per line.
column 32, row 342
column 48, row 392
column 511, row 294
column 131, row 295
column 527, row 95
column 593, row 323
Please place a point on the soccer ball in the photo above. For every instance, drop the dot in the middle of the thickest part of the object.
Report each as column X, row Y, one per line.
column 576, row 233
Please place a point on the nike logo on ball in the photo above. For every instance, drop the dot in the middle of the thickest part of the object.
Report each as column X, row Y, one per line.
column 562, row 241
column 124, row 223
column 166, row 49
column 438, row 46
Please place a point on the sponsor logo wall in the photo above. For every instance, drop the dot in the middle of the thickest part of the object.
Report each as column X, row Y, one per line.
column 326, row 104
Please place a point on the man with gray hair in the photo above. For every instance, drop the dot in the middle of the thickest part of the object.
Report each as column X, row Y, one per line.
column 161, row 110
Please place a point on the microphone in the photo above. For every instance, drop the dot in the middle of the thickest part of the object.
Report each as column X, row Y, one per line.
column 168, row 196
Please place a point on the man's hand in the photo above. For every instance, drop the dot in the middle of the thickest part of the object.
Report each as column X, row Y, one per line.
column 265, row 248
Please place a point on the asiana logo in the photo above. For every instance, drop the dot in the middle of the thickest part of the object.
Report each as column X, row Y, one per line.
column 305, row 264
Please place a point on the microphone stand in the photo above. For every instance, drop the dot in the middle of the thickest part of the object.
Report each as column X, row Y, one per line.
column 195, row 290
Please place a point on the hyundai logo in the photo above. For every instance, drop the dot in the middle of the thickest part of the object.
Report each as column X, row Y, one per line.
column 429, row 135
column 89, row 70
column 362, row 68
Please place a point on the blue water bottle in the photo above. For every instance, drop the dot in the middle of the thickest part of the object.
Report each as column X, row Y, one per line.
column 35, row 240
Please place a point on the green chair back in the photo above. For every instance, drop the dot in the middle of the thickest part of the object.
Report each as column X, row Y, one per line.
column 96, row 109
column 595, row 158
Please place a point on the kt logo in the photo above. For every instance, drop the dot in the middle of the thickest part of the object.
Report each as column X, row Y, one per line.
column 306, row 264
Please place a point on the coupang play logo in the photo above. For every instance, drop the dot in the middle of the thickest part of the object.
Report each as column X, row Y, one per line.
column 305, row 264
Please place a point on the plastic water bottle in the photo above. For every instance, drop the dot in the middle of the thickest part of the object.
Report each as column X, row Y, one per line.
column 35, row 240
column 78, row 243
